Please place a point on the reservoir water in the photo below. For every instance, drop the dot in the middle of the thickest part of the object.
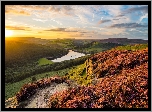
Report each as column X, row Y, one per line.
column 71, row 55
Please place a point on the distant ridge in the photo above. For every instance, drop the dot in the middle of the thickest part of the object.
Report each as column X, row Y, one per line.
column 28, row 40
column 124, row 41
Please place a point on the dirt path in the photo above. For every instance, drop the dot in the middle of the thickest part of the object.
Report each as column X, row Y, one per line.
column 39, row 100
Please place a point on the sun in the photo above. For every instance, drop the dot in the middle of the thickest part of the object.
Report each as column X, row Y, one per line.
column 8, row 33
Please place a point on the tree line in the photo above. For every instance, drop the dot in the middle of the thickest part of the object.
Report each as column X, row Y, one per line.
column 20, row 53
column 12, row 77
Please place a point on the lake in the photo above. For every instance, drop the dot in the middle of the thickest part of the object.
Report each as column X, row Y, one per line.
column 71, row 55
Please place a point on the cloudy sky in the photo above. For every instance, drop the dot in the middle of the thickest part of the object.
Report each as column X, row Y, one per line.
column 77, row 21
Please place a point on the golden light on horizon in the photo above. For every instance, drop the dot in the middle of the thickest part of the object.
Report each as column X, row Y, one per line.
column 8, row 33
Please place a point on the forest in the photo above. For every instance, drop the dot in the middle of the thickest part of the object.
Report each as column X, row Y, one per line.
column 21, row 55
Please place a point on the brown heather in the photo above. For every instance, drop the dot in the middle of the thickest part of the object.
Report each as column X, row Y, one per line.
column 121, row 82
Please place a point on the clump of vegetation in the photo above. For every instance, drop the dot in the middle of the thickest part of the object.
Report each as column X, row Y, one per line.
column 126, row 88
column 113, row 61
column 79, row 75
column 33, row 79
column 29, row 89
column 132, row 47
column 11, row 102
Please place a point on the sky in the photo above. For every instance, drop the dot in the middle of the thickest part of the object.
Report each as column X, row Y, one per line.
column 77, row 21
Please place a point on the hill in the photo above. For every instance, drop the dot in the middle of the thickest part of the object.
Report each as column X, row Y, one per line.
column 19, row 53
column 121, row 82
column 28, row 40
column 117, row 78
column 124, row 41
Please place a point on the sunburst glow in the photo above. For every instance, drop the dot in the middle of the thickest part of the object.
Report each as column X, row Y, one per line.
column 8, row 33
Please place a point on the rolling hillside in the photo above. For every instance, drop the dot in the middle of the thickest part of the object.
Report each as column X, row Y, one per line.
column 19, row 53
column 117, row 78
column 121, row 82
column 124, row 41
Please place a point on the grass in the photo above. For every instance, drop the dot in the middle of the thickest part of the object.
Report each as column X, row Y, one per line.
column 94, row 49
column 44, row 61
column 79, row 75
column 132, row 47
column 11, row 89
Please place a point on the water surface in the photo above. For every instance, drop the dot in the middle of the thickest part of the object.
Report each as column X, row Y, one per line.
column 70, row 55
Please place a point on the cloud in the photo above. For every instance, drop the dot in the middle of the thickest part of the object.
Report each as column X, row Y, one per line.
column 40, row 20
column 82, row 19
column 76, row 20
column 67, row 9
column 127, row 25
column 80, row 34
column 110, row 31
column 113, row 9
column 70, row 31
column 26, row 7
column 54, row 8
column 136, row 30
column 62, row 29
column 83, row 32
column 62, row 9
column 134, row 9
column 37, row 7
column 56, row 29
column 24, row 13
column 115, row 19
column 18, row 28
column 142, row 17
column 142, row 8
column 121, row 15
column 103, row 21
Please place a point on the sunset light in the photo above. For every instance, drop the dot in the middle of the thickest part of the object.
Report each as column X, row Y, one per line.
column 77, row 21
column 8, row 33
column 76, row 56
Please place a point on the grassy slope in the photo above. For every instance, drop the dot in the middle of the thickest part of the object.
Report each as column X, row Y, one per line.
column 11, row 89
column 97, row 47
column 78, row 74
column 132, row 47
column 44, row 61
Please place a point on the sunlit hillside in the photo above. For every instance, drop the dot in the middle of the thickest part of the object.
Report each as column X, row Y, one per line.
column 116, row 78
column 76, row 56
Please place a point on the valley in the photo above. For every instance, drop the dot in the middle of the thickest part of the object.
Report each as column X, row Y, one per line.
column 80, row 56
column 92, row 66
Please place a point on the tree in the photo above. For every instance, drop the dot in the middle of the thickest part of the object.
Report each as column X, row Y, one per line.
column 33, row 79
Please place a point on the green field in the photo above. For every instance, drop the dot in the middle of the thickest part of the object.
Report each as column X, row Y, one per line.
column 132, row 47
column 44, row 61
column 94, row 50
column 96, row 47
